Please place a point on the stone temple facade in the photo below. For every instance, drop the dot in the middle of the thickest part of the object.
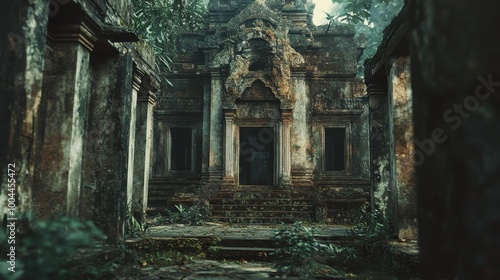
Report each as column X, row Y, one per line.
column 264, row 104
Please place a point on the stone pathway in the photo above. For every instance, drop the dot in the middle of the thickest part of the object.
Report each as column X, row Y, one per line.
column 208, row 269
column 234, row 231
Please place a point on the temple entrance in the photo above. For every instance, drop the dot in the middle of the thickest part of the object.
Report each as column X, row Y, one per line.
column 256, row 156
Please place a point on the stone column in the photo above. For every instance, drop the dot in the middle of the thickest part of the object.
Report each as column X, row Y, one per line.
column 143, row 141
column 131, row 150
column 205, row 146
column 216, row 119
column 379, row 148
column 107, row 145
column 65, row 104
column 301, row 168
column 286, row 122
column 228, row 179
column 22, row 53
column 402, row 151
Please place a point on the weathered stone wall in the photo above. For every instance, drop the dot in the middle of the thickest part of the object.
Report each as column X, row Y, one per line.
column 70, row 119
column 388, row 80
column 336, row 50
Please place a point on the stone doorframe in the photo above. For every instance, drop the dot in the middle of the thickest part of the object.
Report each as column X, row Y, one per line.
column 282, row 165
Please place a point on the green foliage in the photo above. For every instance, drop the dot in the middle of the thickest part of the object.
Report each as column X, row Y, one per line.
column 372, row 228
column 370, row 17
column 134, row 227
column 194, row 215
column 355, row 11
column 296, row 249
column 159, row 22
column 340, row 254
column 381, row 15
column 43, row 248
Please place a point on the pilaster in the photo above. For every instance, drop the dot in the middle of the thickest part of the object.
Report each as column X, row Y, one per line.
column 380, row 164
column 228, row 179
column 215, row 164
column 144, row 87
column 301, row 159
column 286, row 122
column 65, row 103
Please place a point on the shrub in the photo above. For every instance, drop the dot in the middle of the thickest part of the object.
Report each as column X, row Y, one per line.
column 371, row 228
column 296, row 250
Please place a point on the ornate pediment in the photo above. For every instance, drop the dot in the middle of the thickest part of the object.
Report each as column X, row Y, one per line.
column 258, row 91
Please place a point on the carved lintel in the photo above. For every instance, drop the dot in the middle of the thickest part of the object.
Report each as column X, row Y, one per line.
column 323, row 103
column 258, row 110
column 181, row 103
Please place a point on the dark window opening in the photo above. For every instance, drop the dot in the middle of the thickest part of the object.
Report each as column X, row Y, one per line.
column 180, row 150
column 335, row 149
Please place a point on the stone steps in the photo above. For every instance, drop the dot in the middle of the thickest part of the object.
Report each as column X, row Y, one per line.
column 260, row 207
column 262, row 204
column 260, row 248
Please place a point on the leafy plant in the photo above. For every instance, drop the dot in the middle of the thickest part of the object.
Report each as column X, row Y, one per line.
column 340, row 254
column 194, row 215
column 296, row 249
column 370, row 17
column 355, row 11
column 371, row 228
column 133, row 226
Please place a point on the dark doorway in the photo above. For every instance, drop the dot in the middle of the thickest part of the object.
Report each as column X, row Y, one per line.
column 256, row 156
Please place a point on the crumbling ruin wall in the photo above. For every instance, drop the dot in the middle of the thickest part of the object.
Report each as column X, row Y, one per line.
column 388, row 80
column 71, row 110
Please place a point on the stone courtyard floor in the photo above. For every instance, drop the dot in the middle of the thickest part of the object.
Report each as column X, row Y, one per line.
column 208, row 269
column 242, row 231
column 241, row 268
